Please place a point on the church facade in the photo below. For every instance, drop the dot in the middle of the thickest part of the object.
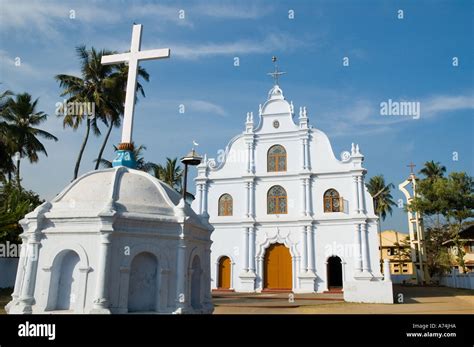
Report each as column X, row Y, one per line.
column 288, row 215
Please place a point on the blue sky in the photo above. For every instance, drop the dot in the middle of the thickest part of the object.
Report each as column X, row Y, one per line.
column 400, row 59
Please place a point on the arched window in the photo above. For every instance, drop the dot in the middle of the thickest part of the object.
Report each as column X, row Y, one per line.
column 276, row 159
column 225, row 205
column 277, row 200
column 332, row 201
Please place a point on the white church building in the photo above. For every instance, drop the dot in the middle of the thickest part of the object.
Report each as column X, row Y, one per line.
column 288, row 215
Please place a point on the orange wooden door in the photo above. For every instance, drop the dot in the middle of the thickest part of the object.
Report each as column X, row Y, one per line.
column 277, row 272
column 224, row 273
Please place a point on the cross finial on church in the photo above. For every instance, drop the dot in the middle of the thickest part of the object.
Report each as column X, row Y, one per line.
column 411, row 166
column 133, row 58
column 275, row 74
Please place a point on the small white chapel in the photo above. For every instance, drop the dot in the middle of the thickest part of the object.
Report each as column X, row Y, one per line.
column 115, row 240
column 288, row 215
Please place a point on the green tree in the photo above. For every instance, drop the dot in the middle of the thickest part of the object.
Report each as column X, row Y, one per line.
column 23, row 119
column 7, row 167
column 116, row 87
column 452, row 198
column 92, row 87
column 383, row 201
column 438, row 258
column 171, row 173
column 433, row 170
column 14, row 205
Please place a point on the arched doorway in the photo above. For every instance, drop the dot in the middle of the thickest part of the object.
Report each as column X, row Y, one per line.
column 67, row 281
column 224, row 273
column 334, row 274
column 277, row 271
column 196, row 283
column 143, row 283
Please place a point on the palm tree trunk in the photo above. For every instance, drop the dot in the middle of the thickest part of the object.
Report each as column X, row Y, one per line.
column 83, row 147
column 102, row 148
column 18, row 179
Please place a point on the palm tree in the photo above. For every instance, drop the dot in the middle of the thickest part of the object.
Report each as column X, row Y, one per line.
column 383, row 201
column 433, row 170
column 91, row 87
column 23, row 118
column 170, row 173
column 6, row 134
column 142, row 165
column 116, row 87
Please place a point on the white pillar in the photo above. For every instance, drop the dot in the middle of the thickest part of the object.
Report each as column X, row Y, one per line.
column 28, row 287
column 308, row 248
column 252, row 158
column 304, row 246
column 101, row 301
column 181, row 275
column 308, row 159
column 361, row 194
column 246, row 249
column 249, row 158
column 199, row 197
column 260, row 272
column 207, row 278
column 252, row 249
column 303, row 197
column 252, row 199
column 21, row 267
column 305, row 166
column 365, row 248
column 355, row 195
column 311, row 248
column 205, row 191
column 307, row 196
column 303, row 154
column 247, row 199
column 358, row 255
column 387, row 276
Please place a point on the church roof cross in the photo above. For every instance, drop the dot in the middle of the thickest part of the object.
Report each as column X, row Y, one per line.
column 277, row 73
column 411, row 166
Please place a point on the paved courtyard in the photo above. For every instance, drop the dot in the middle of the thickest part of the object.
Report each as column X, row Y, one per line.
column 429, row 300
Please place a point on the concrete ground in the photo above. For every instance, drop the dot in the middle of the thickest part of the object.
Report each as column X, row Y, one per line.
column 429, row 300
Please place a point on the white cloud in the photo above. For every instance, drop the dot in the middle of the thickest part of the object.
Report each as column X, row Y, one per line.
column 271, row 43
column 345, row 114
column 230, row 11
column 436, row 105
column 43, row 17
column 11, row 69
column 205, row 106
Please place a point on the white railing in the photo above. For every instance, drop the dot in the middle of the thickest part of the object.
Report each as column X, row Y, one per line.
column 458, row 280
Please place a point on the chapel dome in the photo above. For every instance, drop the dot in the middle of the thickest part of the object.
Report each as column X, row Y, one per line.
column 121, row 189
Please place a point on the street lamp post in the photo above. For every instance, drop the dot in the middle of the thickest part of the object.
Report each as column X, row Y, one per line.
column 193, row 159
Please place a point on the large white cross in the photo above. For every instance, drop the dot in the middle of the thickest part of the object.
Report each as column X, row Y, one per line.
column 133, row 57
